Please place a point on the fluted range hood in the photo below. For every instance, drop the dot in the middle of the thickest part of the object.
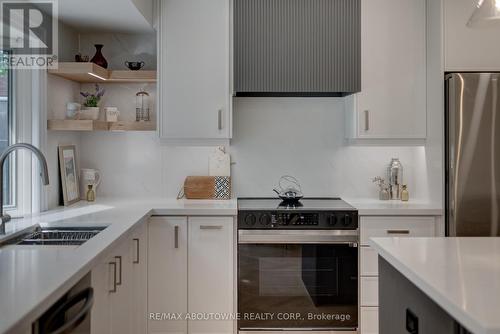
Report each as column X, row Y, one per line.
column 297, row 47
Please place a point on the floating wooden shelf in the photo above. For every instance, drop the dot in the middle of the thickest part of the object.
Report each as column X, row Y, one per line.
column 92, row 73
column 88, row 125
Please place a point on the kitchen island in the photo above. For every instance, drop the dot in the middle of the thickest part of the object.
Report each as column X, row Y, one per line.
column 439, row 285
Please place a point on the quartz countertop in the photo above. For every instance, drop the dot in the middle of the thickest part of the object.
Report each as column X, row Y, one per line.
column 462, row 275
column 34, row 277
column 375, row 207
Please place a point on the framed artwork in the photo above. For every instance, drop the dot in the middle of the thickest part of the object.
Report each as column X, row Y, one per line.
column 69, row 174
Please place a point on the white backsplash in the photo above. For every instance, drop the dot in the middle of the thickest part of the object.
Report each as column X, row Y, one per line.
column 272, row 136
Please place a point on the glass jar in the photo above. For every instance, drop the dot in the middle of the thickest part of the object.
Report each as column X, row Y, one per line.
column 142, row 106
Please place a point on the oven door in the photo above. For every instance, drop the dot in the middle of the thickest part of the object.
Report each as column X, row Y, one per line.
column 298, row 280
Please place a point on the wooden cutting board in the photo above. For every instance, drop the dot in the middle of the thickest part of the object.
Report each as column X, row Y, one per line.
column 207, row 187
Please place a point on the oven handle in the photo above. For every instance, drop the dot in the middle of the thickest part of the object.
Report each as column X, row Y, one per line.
column 349, row 237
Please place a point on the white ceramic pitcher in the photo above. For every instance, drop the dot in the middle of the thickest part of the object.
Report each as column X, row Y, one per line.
column 90, row 176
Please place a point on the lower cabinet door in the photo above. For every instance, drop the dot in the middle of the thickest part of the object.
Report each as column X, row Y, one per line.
column 211, row 278
column 369, row 291
column 121, row 300
column 138, row 260
column 167, row 274
column 103, row 283
column 369, row 320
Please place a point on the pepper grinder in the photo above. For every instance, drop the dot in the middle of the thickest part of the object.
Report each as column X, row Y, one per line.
column 395, row 177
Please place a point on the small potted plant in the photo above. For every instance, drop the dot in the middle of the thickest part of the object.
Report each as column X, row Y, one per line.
column 91, row 104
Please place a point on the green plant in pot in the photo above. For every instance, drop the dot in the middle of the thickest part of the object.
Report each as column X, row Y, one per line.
column 91, row 103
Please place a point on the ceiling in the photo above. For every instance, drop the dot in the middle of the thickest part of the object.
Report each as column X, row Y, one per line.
column 104, row 16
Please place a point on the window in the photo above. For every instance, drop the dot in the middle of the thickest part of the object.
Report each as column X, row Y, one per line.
column 6, row 118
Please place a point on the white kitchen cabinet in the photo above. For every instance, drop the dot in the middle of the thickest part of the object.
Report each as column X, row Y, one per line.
column 392, row 101
column 121, row 300
column 111, row 281
column 384, row 226
column 210, row 272
column 466, row 48
column 138, row 260
column 194, row 69
column 120, row 287
column 369, row 291
column 191, row 271
column 167, row 273
column 102, row 281
column 395, row 226
column 369, row 320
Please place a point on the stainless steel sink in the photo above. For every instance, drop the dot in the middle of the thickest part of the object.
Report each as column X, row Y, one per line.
column 69, row 236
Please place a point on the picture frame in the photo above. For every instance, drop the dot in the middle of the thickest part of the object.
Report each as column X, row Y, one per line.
column 69, row 174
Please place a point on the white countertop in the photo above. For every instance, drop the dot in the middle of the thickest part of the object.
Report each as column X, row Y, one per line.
column 32, row 278
column 375, row 207
column 462, row 275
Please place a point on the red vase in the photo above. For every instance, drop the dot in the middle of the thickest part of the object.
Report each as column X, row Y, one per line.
column 98, row 58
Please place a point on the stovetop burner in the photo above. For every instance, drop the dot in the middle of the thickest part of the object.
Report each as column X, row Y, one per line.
column 290, row 204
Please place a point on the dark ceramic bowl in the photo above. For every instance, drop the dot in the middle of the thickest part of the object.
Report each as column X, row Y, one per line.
column 134, row 65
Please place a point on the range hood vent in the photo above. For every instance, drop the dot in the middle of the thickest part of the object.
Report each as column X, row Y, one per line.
column 297, row 47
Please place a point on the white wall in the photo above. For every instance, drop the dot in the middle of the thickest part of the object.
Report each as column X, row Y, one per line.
column 468, row 48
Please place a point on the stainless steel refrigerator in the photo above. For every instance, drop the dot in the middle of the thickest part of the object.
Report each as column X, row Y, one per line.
column 473, row 154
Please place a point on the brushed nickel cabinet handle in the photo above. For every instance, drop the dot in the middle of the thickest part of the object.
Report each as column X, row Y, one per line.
column 113, row 264
column 219, row 120
column 119, row 282
column 176, row 236
column 398, row 231
column 367, row 120
column 210, row 227
column 136, row 250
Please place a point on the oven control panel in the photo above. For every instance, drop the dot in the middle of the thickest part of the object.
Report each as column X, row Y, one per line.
column 336, row 220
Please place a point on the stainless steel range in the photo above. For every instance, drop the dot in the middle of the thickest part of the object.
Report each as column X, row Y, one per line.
column 297, row 265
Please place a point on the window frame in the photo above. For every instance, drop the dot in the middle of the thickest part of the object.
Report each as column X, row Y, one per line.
column 12, row 162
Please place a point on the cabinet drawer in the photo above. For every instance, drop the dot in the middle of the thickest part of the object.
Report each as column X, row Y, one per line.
column 369, row 320
column 369, row 291
column 396, row 226
column 369, row 261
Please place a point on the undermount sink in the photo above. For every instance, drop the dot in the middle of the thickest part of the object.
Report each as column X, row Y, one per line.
column 60, row 236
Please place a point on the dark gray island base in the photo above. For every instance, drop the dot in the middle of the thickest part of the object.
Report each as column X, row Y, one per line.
column 406, row 309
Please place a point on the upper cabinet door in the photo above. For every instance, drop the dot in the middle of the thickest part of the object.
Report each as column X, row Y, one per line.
column 392, row 102
column 194, row 69
column 468, row 49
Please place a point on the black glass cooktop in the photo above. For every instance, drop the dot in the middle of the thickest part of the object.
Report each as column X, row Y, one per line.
column 308, row 204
